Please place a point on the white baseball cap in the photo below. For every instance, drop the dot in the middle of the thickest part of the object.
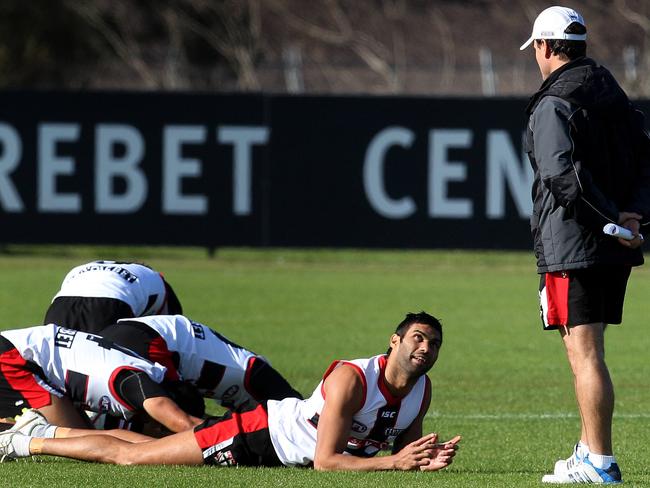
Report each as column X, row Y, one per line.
column 552, row 23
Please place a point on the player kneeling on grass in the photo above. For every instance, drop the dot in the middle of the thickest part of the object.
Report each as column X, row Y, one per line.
column 233, row 376
column 359, row 408
column 99, row 293
column 58, row 370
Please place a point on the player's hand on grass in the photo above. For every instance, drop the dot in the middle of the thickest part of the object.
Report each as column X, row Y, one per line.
column 416, row 454
column 442, row 455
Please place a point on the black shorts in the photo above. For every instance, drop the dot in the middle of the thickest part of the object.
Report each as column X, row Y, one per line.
column 583, row 296
column 88, row 314
column 237, row 439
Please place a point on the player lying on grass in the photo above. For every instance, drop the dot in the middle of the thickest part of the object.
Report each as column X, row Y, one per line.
column 56, row 370
column 235, row 377
column 359, row 408
column 99, row 293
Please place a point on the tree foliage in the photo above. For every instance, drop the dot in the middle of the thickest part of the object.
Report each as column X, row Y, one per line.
column 316, row 46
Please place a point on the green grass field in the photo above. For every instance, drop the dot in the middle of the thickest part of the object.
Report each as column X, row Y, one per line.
column 500, row 381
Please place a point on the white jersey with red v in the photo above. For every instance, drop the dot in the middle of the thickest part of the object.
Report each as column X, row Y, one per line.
column 193, row 352
column 85, row 367
column 293, row 423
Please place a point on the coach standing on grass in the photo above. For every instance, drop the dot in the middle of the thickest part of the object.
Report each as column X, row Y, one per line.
column 359, row 408
column 591, row 158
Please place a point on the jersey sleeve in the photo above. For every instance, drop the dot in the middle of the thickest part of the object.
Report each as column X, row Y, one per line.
column 133, row 387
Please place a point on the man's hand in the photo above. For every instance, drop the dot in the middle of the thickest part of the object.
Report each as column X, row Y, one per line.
column 442, row 455
column 425, row 454
column 630, row 220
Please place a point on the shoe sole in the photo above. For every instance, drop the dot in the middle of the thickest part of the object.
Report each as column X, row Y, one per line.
column 550, row 478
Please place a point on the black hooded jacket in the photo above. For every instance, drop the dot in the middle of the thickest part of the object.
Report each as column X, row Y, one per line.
column 591, row 159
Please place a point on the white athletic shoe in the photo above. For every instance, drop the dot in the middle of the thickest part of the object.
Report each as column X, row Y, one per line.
column 563, row 465
column 7, row 451
column 585, row 472
column 28, row 421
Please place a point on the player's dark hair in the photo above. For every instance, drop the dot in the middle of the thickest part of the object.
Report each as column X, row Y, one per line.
column 174, row 306
column 566, row 49
column 417, row 318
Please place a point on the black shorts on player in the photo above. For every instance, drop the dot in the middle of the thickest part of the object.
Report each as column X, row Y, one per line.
column 88, row 314
column 237, row 439
column 583, row 296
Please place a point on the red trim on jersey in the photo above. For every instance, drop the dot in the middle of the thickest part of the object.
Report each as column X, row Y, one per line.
column 12, row 366
column 111, row 385
column 381, row 382
column 159, row 353
column 557, row 298
column 359, row 371
column 239, row 423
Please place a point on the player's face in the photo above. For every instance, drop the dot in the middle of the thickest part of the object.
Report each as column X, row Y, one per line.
column 418, row 350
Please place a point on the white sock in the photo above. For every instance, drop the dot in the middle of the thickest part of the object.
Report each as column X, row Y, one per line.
column 582, row 449
column 45, row 431
column 20, row 444
column 600, row 460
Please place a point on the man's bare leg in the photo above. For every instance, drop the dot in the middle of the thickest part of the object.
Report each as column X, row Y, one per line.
column 125, row 435
column 61, row 412
column 180, row 448
column 593, row 385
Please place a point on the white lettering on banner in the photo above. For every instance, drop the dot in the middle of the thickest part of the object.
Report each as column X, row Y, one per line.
column 175, row 168
column 121, row 149
column 373, row 174
column 504, row 166
column 50, row 165
column 108, row 168
column 242, row 139
column 12, row 148
column 442, row 171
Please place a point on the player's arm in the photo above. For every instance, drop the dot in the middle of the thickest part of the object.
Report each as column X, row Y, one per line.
column 140, row 392
column 560, row 170
column 639, row 201
column 164, row 410
column 344, row 395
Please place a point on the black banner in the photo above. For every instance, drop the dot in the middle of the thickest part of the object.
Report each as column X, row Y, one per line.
column 254, row 170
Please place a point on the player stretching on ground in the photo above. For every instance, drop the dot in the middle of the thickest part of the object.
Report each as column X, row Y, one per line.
column 55, row 370
column 359, row 408
column 233, row 376
column 96, row 294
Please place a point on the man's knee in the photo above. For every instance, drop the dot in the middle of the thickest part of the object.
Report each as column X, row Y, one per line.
column 124, row 454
